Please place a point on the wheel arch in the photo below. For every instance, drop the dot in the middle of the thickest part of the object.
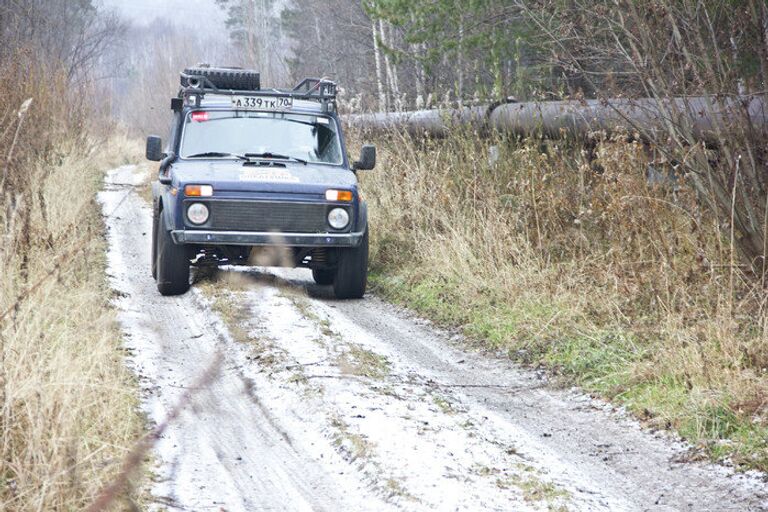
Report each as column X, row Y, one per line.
column 362, row 216
column 162, row 209
column 160, row 203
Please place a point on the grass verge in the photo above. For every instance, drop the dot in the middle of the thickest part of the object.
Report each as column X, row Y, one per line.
column 68, row 402
column 580, row 264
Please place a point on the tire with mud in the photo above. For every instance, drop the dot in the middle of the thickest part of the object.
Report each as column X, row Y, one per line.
column 172, row 265
column 153, row 259
column 226, row 78
column 352, row 271
column 323, row 276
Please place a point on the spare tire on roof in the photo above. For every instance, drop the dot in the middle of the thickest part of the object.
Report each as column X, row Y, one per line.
column 223, row 78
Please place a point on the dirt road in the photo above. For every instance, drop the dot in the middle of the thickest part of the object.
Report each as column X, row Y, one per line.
column 328, row 405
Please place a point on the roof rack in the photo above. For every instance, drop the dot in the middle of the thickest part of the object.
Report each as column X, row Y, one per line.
column 195, row 86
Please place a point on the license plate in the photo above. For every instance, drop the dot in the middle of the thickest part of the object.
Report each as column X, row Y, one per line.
column 261, row 103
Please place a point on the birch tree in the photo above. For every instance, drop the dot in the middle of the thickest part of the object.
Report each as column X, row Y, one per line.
column 256, row 29
column 379, row 74
column 393, row 88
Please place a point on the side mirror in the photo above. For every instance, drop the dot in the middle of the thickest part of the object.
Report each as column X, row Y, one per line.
column 367, row 158
column 154, row 148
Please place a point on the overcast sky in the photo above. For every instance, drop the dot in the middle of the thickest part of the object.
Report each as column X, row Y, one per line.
column 203, row 14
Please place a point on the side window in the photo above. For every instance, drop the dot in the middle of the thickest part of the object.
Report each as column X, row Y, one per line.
column 327, row 147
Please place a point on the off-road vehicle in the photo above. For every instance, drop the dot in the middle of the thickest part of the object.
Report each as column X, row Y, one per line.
column 246, row 167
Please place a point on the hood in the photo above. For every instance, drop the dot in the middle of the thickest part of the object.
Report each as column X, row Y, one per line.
column 237, row 176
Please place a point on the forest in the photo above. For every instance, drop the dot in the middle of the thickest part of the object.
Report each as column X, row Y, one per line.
column 631, row 264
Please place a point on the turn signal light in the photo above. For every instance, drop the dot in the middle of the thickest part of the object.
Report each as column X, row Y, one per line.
column 198, row 191
column 338, row 195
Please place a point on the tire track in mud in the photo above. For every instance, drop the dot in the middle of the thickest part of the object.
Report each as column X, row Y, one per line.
column 328, row 405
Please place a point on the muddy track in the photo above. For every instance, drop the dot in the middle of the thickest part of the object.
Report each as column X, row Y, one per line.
column 358, row 405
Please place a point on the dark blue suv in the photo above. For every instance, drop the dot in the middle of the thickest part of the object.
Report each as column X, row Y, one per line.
column 257, row 176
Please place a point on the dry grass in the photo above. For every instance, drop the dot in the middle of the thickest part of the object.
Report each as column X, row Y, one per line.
column 69, row 405
column 626, row 287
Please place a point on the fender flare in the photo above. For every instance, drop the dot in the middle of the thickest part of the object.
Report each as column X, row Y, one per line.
column 160, row 201
column 362, row 217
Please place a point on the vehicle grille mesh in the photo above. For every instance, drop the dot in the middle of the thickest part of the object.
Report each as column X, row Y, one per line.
column 264, row 216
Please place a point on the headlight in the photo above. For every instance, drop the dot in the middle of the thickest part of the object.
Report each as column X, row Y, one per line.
column 197, row 213
column 338, row 218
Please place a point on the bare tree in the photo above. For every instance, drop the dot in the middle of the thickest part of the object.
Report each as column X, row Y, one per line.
column 256, row 30
column 74, row 34
column 682, row 48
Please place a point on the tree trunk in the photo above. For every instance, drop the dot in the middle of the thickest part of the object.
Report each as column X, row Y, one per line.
column 460, row 64
column 740, row 87
column 391, row 69
column 379, row 75
column 760, row 15
column 420, row 78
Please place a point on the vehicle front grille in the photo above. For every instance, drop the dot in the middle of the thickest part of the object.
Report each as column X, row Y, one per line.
column 267, row 216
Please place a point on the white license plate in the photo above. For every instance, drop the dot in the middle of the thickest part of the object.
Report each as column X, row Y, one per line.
column 261, row 103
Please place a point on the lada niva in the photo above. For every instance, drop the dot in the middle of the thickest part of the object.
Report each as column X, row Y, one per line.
column 246, row 167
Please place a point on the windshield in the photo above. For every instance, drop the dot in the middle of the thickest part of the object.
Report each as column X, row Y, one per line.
column 225, row 134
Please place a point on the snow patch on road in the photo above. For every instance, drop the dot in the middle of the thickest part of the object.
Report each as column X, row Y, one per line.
column 356, row 405
column 414, row 441
column 226, row 450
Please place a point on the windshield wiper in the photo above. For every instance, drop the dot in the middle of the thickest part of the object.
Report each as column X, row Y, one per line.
column 217, row 154
column 276, row 156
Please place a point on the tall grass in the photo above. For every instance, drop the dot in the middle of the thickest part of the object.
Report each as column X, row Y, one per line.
column 68, row 410
column 575, row 260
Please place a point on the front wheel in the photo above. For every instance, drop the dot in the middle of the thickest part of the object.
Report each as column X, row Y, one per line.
column 352, row 271
column 172, row 265
column 323, row 276
column 155, row 227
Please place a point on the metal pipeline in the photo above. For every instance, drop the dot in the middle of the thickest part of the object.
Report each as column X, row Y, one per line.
column 693, row 118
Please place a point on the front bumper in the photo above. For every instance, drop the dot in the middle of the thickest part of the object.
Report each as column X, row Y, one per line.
column 266, row 238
